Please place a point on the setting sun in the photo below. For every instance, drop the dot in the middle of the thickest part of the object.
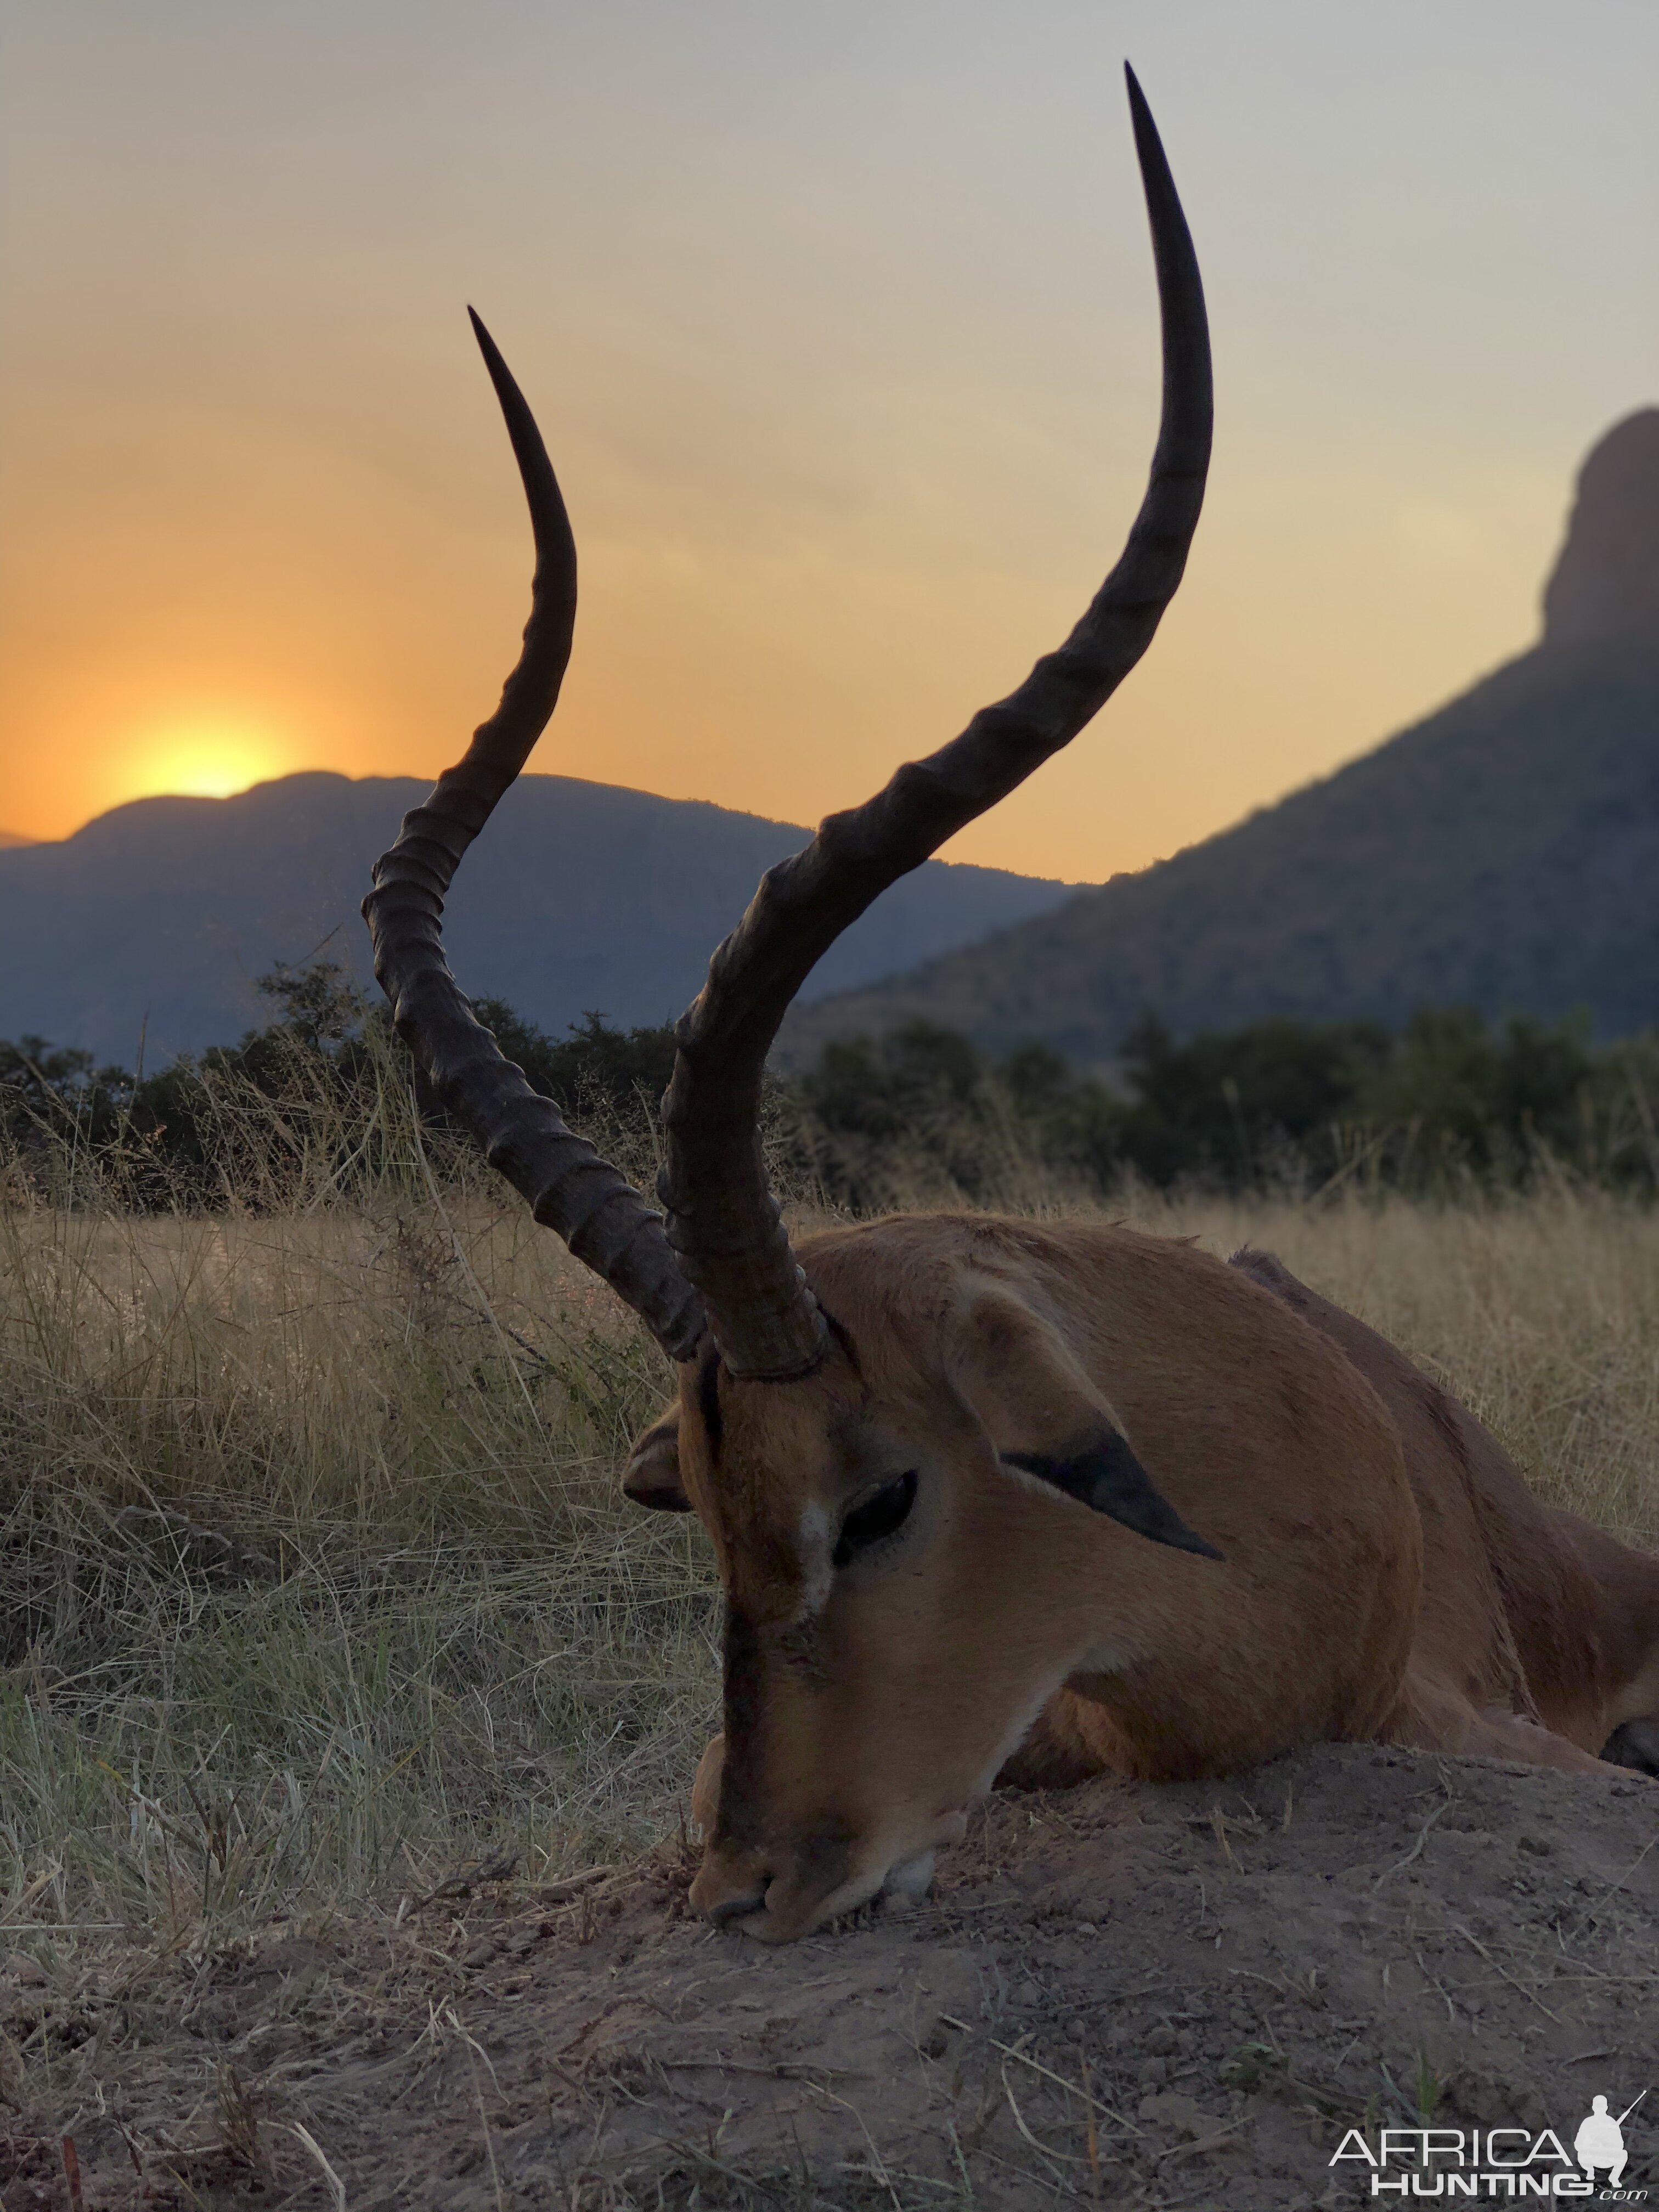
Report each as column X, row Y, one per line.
column 210, row 759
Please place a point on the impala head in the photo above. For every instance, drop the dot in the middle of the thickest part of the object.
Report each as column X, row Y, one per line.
column 883, row 1443
column 882, row 1526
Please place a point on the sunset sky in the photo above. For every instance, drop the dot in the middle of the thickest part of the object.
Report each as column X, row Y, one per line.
column 839, row 324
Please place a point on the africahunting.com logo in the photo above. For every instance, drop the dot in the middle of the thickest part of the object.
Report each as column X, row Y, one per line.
column 1497, row 2162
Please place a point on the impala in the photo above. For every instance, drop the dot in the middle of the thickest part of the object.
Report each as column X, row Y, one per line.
column 990, row 1497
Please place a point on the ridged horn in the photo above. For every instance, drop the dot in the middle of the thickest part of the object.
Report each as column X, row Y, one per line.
column 603, row 1220
column 723, row 1219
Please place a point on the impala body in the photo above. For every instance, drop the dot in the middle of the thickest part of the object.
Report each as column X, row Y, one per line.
column 1385, row 1575
column 988, row 1497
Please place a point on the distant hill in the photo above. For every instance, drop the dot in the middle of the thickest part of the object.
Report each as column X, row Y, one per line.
column 158, row 915
column 9, row 837
column 1503, row 854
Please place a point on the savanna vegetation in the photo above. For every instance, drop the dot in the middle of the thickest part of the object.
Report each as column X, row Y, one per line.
column 1449, row 1106
column 314, row 1577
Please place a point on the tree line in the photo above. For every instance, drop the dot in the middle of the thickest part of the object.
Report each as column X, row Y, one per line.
column 1451, row 1102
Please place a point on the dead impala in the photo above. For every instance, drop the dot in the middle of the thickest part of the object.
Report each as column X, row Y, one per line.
column 989, row 1496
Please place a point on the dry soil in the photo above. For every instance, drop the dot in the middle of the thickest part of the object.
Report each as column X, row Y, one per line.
column 1117, row 1995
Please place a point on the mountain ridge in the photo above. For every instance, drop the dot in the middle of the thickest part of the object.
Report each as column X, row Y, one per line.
column 1498, row 853
column 153, row 920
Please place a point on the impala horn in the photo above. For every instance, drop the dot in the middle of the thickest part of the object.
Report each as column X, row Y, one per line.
column 725, row 1261
column 723, row 1219
column 603, row 1220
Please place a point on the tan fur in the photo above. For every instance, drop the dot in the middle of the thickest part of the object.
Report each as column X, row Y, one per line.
column 1532, row 1620
column 1386, row 1574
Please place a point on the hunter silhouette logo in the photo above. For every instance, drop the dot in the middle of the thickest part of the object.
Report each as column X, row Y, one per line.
column 1600, row 2142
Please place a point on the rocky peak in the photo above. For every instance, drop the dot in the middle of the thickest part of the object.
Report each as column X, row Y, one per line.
column 1606, row 581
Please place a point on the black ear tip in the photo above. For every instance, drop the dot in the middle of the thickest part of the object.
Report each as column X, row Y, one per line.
column 1165, row 1526
column 1105, row 1475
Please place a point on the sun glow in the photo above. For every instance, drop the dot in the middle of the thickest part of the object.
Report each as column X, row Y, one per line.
column 209, row 759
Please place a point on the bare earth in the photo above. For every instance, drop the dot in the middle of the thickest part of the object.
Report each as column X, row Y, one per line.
column 1121, row 1995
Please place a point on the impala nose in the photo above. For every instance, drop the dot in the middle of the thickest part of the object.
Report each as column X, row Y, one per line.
column 730, row 1884
column 736, row 1908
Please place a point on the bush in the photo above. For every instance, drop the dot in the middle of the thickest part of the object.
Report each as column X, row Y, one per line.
column 1229, row 1106
column 592, row 1067
column 1451, row 1102
column 323, row 1095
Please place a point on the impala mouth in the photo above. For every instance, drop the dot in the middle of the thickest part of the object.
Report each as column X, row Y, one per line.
column 781, row 1919
column 741, row 1894
column 773, row 1917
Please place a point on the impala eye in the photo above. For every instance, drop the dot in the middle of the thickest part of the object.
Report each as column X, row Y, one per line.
column 879, row 1516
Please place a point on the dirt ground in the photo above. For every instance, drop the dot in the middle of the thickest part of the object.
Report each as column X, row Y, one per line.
column 1118, row 1995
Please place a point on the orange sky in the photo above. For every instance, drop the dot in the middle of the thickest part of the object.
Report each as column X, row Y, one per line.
column 841, row 327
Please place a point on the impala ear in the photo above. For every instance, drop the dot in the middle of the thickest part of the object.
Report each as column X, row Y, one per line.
column 1046, row 1418
column 652, row 1476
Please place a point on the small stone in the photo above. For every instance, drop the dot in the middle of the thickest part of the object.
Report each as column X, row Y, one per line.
column 1162, row 2040
column 29, row 1972
column 1075, row 2031
column 1154, row 2073
column 479, row 1953
column 1088, row 1928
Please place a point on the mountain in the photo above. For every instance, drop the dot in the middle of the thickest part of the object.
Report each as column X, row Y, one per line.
column 1503, row 854
column 9, row 837
column 156, row 917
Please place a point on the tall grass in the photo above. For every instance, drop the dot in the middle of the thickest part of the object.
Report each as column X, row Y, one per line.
column 315, row 1580
column 313, row 1573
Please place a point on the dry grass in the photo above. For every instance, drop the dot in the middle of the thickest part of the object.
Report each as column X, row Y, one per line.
column 315, row 1580
column 314, row 1574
